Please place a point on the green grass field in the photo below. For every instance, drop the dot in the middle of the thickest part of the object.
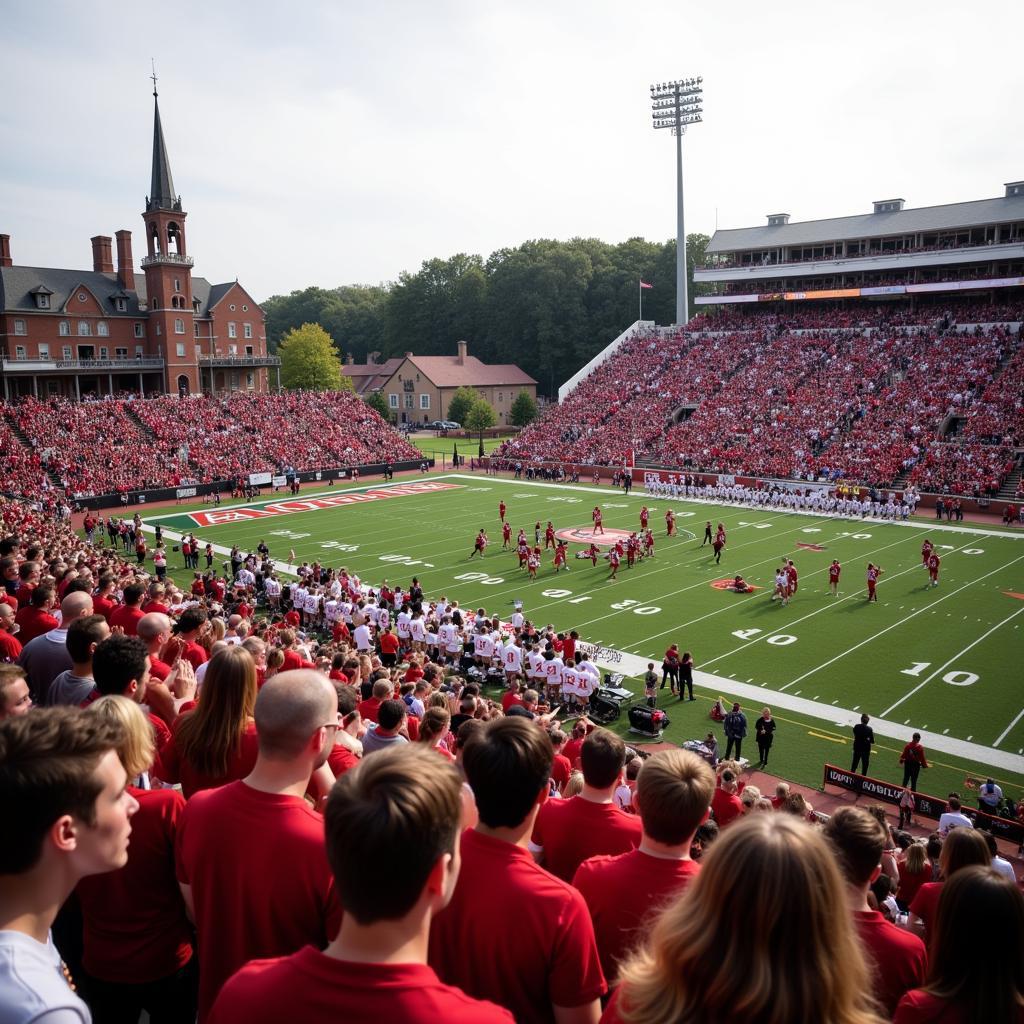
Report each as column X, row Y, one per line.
column 444, row 447
column 944, row 661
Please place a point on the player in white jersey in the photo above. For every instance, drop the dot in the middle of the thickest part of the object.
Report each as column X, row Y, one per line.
column 402, row 625
column 311, row 607
column 512, row 660
column 272, row 588
column 418, row 633
column 570, row 685
column 552, row 668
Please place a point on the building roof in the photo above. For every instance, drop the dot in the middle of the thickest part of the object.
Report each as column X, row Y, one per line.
column 370, row 376
column 161, row 186
column 448, row 372
column 871, row 225
column 19, row 284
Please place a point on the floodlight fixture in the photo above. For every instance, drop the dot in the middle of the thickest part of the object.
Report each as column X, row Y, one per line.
column 675, row 105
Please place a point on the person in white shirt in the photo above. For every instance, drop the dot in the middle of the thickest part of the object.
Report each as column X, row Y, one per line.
column 272, row 588
column 552, row 668
column 418, row 633
column 953, row 817
column 570, row 680
column 362, row 638
column 512, row 659
column 402, row 624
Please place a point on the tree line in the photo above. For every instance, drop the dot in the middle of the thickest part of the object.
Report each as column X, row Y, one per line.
column 548, row 306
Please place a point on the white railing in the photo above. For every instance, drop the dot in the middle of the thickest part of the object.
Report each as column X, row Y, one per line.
column 637, row 327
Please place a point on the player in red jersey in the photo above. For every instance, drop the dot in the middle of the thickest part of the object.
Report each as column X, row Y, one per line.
column 613, row 561
column 933, row 568
column 645, row 515
column 501, row 511
column 596, row 515
column 833, row 577
column 649, row 543
column 791, row 574
column 506, row 536
column 593, row 553
column 926, row 549
column 632, row 547
column 549, row 536
column 560, row 562
column 874, row 572
column 479, row 544
column 523, row 551
column 670, row 523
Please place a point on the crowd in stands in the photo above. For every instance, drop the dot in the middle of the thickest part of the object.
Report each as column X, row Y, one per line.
column 863, row 395
column 111, row 446
column 362, row 833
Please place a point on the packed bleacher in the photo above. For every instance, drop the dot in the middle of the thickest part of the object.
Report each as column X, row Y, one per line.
column 313, row 798
column 112, row 446
column 869, row 395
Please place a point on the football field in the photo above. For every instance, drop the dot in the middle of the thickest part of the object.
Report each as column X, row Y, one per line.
column 944, row 661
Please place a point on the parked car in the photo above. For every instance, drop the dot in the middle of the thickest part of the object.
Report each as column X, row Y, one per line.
column 450, row 425
column 435, row 425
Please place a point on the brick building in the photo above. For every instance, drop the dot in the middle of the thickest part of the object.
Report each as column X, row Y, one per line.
column 99, row 332
column 421, row 387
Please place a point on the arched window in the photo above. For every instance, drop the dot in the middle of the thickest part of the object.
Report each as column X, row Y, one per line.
column 65, row 329
column 84, row 328
column 179, row 326
column 102, row 330
column 183, row 388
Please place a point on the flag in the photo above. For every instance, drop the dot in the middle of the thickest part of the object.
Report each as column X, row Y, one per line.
column 644, row 284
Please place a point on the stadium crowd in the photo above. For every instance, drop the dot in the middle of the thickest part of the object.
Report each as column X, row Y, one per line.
column 361, row 832
column 113, row 446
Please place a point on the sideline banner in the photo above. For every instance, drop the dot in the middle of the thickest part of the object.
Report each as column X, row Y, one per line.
column 926, row 806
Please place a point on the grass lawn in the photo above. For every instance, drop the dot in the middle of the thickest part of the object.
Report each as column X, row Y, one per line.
column 439, row 447
column 944, row 661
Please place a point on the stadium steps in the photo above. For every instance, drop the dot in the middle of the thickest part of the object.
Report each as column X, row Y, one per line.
column 137, row 420
column 27, row 445
column 1008, row 491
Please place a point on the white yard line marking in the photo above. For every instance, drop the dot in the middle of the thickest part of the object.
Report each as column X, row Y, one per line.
column 1007, row 730
column 959, row 654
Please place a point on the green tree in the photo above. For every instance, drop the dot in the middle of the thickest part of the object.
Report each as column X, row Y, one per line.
column 376, row 401
column 524, row 409
column 461, row 402
column 309, row 360
column 481, row 417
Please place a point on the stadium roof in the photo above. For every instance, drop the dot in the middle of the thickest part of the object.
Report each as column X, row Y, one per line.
column 871, row 225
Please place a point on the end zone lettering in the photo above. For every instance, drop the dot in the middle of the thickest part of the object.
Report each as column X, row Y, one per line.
column 283, row 508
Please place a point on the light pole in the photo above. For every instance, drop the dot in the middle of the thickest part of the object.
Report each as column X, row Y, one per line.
column 675, row 105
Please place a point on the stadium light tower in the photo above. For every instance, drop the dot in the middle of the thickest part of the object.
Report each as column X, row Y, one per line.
column 675, row 105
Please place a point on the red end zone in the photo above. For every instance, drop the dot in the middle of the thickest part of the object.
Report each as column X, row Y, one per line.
column 284, row 508
column 585, row 535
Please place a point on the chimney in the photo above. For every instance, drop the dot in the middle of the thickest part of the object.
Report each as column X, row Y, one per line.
column 5, row 251
column 888, row 205
column 102, row 260
column 462, row 346
column 125, row 270
column 371, row 358
column 350, row 360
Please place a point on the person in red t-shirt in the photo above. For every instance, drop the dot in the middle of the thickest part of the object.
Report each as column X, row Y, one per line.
column 568, row 832
column 726, row 804
column 369, row 708
column 10, row 645
column 192, row 623
column 388, row 648
column 347, row 750
column 392, row 830
column 34, row 618
column 598, row 518
column 970, row 980
column 625, row 893
column 128, row 614
column 250, row 855
column 933, row 568
column 103, row 602
column 546, row 967
column 896, row 958
column 580, row 730
column 137, row 940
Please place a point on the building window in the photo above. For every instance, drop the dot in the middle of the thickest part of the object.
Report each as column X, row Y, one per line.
column 232, row 331
column 102, row 330
column 19, row 351
column 19, row 327
column 177, row 285
column 250, row 381
column 64, row 329
column 158, row 331
column 121, row 353
column 84, row 328
column 232, row 350
column 195, row 330
column 249, row 350
column 180, row 349
column 67, row 352
column 44, row 350
column 424, row 401
column 120, row 305
column 232, row 307
column 138, row 351
column 179, row 326
column 81, row 296
column 104, row 352
column 43, row 301
column 408, row 401
column 392, row 401
column 138, row 330
column 247, row 330
column 245, row 309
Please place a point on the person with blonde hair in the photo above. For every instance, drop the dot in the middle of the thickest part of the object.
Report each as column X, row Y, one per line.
column 216, row 743
column 749, row 798
column 434, row 731
column 794, row 961
column 137, row 941
column 914, row 870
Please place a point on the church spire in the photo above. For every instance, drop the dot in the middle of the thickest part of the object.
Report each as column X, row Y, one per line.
column 161, row 190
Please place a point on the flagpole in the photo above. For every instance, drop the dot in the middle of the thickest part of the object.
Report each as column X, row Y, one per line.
column 640, row 292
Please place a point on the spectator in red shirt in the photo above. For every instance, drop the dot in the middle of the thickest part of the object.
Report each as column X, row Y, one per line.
column 392, row 831
column 795, row 960
column 546, row 968
column 154, row 630
column 914, row 870
column 726, row 804
column 103, row 602
column 127, row 615
column 137, row 939
column 63, row 783
column 250, row 855
column 970, row 980
column 896, row 959
column 191, row 625
column 10, row 645
column 568, row 832
column 625, row 893
column 34, row 618
column 369, row 708
column 962, row 848
column 216, row 742
column 388, row 648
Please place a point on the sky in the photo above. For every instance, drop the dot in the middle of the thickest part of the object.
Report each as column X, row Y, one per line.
column 329, row 143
